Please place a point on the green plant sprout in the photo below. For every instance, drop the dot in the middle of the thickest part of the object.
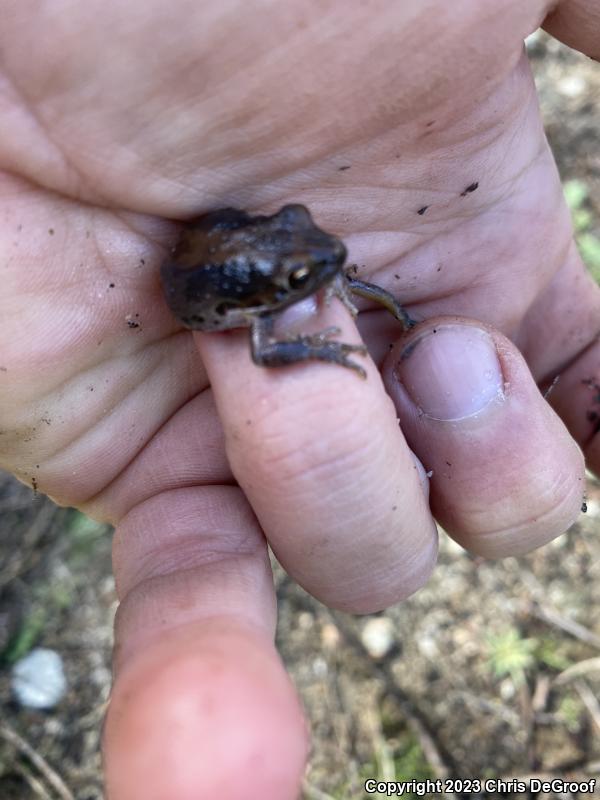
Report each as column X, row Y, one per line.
column 511, row 655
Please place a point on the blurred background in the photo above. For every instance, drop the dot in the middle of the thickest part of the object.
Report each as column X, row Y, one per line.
column 491, row 671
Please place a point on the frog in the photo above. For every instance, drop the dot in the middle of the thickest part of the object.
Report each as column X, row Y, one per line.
column 230, row 269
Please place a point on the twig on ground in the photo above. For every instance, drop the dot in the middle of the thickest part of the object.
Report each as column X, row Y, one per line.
column 28, row 554
column 38, row 761
column 481, row 704
column 312, row 793
column 36, row 786
column 386, row 770
column 589, row 701
column 539, row 701
column 552, row 617
column 414, row 718
column 577, row 670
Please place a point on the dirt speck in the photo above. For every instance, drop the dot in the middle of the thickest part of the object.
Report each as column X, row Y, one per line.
column 132, row 321
column 422, row 210
column 470, row 188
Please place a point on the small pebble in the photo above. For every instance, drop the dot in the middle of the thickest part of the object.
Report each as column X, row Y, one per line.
column 378, row 636
column 319, row 667
column 38, row 679
column 330, row 637
column 572, row 85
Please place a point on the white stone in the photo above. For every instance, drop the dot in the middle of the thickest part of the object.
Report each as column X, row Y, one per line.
column 378, row 636
column 38, row 679
column 572, row 85
column 330, row 636
column 319, row 667
column 428, row 647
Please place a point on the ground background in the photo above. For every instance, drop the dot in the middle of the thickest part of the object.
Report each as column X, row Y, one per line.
column 492, row 671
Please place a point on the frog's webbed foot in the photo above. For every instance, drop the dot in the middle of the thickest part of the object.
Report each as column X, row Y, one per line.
column 371, row 291
column 270, row 352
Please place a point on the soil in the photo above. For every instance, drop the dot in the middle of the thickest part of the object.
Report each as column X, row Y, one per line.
column 491, row 671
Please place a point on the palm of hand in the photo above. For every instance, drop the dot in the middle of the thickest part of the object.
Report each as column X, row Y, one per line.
column 81, row 277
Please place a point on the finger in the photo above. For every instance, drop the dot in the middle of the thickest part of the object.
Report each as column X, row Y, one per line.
column 563, row 321
column 320, row 455
column 576, row 397
column 577, row 24
column 201, row 705
column 506, row 475
column 561, row 341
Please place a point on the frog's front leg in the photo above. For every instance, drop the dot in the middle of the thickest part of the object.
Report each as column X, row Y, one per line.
column 267, row 351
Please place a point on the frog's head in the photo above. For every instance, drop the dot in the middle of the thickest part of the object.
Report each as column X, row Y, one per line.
column 228, row 265
column 308, row 258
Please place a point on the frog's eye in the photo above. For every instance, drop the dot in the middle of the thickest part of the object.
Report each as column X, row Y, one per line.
column 299, row 277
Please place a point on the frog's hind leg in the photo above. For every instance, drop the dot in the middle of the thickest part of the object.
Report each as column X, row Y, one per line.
column 270, row 352
column 371, row 291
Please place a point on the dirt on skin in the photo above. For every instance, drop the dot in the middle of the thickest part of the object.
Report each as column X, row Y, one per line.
column 491, row 671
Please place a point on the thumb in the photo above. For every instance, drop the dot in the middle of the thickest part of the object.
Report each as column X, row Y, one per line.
column 506, row 476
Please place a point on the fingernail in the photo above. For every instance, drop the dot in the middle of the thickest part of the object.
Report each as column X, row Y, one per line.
column 451, row 372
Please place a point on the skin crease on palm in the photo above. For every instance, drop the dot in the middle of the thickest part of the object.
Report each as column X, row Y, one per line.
column 120, row 116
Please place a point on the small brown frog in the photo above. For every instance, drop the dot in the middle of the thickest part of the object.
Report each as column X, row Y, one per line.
column 232, row 270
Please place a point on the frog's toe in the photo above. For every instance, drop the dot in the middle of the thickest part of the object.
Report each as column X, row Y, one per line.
column 317, row 339
column 354, row 348
column 347, row 362
column 337, row 353
column 359, row 349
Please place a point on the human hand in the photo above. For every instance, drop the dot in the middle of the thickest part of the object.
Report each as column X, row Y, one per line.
column 127, row 115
